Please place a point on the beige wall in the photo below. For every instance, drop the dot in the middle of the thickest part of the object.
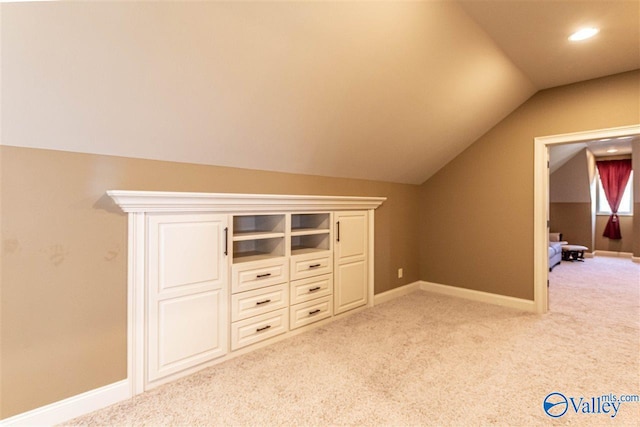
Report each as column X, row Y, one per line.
column 570, row 183
column 570, row 201
column 573, row 220
column 64, row 251
column 626, row 230
column 477, row 212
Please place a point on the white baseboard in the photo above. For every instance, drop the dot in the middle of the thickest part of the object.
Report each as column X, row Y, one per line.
column 589, row 255
column 72, row 407
column 396, row 293
column 486, row 297
column 635, row 259
column 613, row 254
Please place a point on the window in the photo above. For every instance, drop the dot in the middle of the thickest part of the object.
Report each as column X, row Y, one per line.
column 626, row 204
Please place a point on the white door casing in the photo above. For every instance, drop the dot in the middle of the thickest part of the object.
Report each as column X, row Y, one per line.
column 541, row 201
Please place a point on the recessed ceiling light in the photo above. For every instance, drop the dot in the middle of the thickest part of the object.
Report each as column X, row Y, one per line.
column 625, row 137
column 606, row 139
column 583, row 34
column 612, row 150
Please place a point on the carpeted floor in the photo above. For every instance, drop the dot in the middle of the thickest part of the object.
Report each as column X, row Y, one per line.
column 425, row 359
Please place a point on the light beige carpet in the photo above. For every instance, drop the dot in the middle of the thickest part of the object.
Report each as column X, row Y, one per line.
column 425, row 359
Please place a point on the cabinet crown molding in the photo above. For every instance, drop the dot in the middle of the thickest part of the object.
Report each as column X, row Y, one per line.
column 162, row 201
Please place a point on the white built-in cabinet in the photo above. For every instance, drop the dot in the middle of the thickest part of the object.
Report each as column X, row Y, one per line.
column 212, row 276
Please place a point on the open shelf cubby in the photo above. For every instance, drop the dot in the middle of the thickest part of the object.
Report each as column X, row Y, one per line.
column 257, row 249
column 310, row 243
column 310, row 223
column 258, row 226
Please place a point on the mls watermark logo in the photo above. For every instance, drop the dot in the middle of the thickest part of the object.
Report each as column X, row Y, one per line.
column 555, row 405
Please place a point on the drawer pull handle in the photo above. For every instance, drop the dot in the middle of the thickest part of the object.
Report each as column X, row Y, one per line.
column 264, row 328
column 315, row 265
column 263, row 302
column 311, row 313
column 260, row 276
column 317, row 288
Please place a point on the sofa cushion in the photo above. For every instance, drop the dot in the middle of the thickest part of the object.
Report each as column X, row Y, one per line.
column 555, row 248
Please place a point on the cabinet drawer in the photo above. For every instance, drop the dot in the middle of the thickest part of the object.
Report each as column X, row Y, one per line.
column 311, row 265
column 259, row 301
column 256, row 329
column 311, row 288
column 309, row 312
column 255, row 275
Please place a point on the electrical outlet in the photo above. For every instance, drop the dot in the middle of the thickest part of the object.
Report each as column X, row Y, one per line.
column 400, row 273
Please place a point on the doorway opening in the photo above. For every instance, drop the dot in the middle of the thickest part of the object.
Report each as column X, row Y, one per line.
column 541, row 200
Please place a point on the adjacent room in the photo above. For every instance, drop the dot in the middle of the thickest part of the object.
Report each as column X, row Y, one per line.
column 591, row 194
column 579, row 207
column 319, row 213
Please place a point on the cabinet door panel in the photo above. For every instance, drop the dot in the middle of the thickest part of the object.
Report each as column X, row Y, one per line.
column 353, row 235
column 351, row 291
column 187, row 255
column 187, row 331
column 351, row 263
column 187, row 308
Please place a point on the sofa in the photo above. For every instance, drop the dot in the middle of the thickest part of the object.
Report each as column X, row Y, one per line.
column 555, row 249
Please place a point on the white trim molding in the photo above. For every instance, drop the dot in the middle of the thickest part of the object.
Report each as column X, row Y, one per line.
column 159, row 201
column 613, row 254
column 479, row 296
column 541, row 201
column 396, row 293
column 72, row 407
column 635, row 259
column 370, row 256
column 453, row 291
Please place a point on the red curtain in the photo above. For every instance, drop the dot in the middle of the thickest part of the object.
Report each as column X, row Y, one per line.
column 614, row 175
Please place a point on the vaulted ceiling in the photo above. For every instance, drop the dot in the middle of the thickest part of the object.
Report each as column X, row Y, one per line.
column 386, row 91
column 534, row 34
